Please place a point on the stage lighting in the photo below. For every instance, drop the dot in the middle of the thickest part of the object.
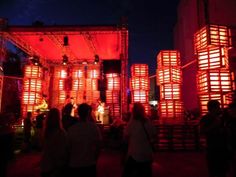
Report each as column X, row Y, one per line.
column 85, row 62
column 66, row 41
column 96, row 59
column 35, row 60
column 64, row 60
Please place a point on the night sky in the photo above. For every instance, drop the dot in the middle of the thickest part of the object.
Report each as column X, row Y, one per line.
column 150, row 22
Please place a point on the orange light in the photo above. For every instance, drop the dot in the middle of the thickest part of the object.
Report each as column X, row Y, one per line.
column 78, row 84
column 139, row 70
column 32, row 87
column 214, row 81
column 93, row 71
column 140, row 96
column 171, row 109
column 170, row 92
column 77, row 73
column 212, row 58
column 91, row 84
column 167, row 75
column 212, row 35
column 32, row 71
column 168, row 58
column 112, row 96
column 224, row 99
column 140, row 83
column 169, row 78
column 61, row 73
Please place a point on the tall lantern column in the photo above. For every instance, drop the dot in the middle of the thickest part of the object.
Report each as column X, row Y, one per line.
column 214, row 79
column 170, row 81
column 140, row 85
column 32, row 88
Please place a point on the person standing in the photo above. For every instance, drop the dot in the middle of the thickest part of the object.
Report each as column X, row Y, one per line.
column 217, row 151
column 232, row 129
column 84, row 140
column 54, row 154
column 27, row 132
column 139, row 133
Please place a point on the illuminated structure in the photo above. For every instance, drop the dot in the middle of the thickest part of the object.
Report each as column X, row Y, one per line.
column 214, row 79
column 139, row 85
column 71, row 63
column 32, row 87
column 113, row 94
column 170, row 82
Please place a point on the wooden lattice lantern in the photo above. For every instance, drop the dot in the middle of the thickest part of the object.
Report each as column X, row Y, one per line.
column 212, row 35
column 212, row 58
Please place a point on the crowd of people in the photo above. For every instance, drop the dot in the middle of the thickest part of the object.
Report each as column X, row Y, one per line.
column 219, row 128
column 70, row 140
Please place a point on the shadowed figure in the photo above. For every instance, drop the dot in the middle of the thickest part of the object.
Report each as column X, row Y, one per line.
column 54, row 155
column 217, row 150
column 84, row 140
column 139, row 133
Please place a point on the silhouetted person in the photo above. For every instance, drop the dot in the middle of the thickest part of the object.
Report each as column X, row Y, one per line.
column 217, row 151
column 67, row 119
column 54, row 155
column 140, row 133
column 84, row 140
column 27, row 131
column 6, row 139
column 39, row 129
column 232, row 129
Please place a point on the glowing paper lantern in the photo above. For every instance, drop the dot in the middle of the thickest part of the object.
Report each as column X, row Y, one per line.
column 32, row 87
column 224, row 99
column 168, row 58
column 113, row 82
column 168, row 75
column 170, row 81
column 170, row 92
column 212, row 35
column 171, row 109
column 139, row 84
column 215, row 81
column 212, row 58
column 139, row 70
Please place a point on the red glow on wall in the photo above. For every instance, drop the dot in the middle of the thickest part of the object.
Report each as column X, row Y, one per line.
column 169, row 78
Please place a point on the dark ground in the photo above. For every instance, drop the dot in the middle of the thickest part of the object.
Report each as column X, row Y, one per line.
column 167, row 164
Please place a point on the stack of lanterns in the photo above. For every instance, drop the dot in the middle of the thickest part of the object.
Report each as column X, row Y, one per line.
column 92, row 94
column 139, row 85
column 32, row 88
column 169, row 80
column 113, row 94
column 214, row 79
column 78, row 84
column 59, row 86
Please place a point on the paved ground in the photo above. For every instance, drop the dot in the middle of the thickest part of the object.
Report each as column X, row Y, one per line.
column 167, row 164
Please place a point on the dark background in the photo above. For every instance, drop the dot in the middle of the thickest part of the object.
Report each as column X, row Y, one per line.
column 150, row 22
